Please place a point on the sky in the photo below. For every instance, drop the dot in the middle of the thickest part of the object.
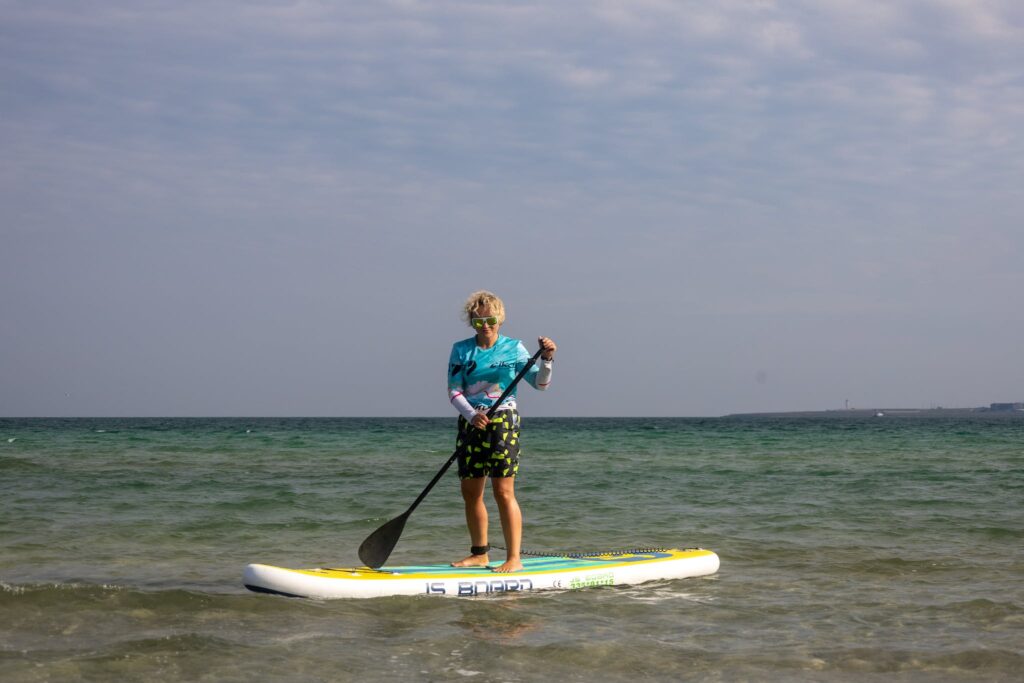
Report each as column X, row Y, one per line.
column 277, row 208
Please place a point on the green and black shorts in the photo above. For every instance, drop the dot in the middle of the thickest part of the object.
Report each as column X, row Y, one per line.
column 491, row 452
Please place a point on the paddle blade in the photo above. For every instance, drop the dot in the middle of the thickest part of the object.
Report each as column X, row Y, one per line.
column 374, row 551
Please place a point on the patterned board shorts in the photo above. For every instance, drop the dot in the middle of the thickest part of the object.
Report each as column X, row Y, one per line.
column 491, row 452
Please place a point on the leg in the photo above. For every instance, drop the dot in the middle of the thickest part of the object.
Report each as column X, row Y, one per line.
column 476, row 519
column 511, row 521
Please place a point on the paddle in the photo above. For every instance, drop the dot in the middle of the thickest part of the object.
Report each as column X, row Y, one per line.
column 374, row 551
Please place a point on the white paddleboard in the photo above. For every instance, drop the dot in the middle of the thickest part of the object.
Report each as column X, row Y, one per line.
column 539, row 573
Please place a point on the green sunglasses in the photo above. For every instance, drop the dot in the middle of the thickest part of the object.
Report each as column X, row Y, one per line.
column 479, row 323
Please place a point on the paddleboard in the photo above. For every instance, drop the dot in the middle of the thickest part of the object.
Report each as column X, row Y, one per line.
column 539, row 573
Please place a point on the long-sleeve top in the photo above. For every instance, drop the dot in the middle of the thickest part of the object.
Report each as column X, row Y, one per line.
column 477, row 377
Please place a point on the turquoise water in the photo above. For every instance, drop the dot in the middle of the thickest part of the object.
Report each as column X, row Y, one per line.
column 852, row 548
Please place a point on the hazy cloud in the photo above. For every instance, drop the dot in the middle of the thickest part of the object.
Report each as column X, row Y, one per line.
column 271, row 182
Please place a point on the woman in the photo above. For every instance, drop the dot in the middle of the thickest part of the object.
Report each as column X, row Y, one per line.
column 479, row 370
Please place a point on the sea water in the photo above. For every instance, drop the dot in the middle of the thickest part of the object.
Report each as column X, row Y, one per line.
column 852, row 548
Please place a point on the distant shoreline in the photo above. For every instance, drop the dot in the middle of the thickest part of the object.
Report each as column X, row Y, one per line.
column 885, row 412
column 838, row 413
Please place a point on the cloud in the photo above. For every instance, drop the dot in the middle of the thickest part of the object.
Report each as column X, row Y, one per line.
column 856, row 156
column 462, row 86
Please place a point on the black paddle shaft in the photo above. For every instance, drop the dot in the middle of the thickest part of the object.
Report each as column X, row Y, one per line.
column 374, row 551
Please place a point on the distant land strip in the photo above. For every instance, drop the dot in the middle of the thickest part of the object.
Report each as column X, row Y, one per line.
column 1016, row 411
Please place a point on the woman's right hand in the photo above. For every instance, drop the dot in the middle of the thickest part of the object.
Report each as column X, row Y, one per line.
column 480, row 421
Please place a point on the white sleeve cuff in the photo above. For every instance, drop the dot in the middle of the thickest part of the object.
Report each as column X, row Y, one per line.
column 543, row 378
column 463, row 406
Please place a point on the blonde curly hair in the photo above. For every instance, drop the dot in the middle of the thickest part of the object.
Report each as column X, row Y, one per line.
column 483, row 299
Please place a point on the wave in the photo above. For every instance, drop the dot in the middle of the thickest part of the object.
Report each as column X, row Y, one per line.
column 15, row 597
column 12, row 465
column 876, row 660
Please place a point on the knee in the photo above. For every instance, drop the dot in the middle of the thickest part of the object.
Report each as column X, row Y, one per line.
column 472, row 496
column 504, row 496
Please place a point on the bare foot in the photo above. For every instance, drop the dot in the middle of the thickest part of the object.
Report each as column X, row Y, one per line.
column 472, row 561
column 509, row 566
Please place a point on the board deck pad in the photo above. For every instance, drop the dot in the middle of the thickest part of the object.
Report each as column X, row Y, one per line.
column 538, row 573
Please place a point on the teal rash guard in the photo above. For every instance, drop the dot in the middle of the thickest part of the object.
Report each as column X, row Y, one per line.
column 477, row 377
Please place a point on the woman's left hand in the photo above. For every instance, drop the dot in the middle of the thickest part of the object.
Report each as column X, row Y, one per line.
column 548, row 348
